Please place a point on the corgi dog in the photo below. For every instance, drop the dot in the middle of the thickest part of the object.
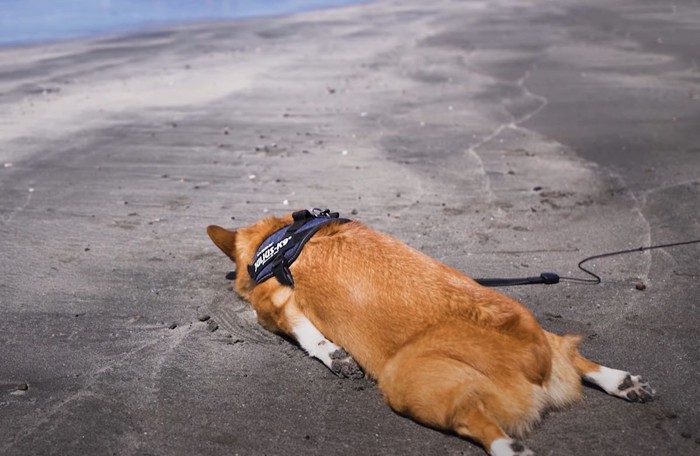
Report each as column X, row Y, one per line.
column 444, row 350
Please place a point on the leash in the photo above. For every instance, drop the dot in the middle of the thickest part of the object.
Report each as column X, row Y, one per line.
column 550, row 278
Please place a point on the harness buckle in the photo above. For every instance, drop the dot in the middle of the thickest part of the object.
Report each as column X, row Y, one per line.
column 317, row 212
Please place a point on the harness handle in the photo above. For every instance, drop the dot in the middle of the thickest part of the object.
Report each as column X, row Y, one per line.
column 547, row 278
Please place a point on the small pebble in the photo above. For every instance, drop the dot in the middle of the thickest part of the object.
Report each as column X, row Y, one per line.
column 8, row 165
column 640, row 286
column 285, row 202
column 173, row 325
column 537, row 189
column 345, row 152
column 203, row 317
column 212, row 326
column 252, row 176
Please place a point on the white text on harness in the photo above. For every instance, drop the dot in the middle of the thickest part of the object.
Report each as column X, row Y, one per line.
column 270, row 252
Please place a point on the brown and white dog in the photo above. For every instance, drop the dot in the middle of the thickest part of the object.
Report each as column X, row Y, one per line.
column 445, row 351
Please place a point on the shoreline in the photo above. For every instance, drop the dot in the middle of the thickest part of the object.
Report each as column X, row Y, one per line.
column 147, row 26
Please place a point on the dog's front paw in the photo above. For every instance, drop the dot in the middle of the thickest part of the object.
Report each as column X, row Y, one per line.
column 343, row 365
column 634, row 389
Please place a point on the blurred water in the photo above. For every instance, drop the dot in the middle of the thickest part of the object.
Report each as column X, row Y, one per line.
column 36, row 21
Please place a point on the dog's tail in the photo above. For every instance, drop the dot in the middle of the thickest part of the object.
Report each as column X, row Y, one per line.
column 564, row 386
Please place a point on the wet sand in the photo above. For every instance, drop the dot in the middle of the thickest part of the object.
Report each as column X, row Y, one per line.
column 504, row 138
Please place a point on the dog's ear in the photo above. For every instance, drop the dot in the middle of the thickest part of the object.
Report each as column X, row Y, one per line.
column 224, row 239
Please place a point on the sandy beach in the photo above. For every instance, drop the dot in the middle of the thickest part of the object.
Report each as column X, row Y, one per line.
column 505, row 138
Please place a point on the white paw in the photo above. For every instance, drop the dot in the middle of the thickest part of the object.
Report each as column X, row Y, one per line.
column 634, row 389
column 344, row 365
column 621, row 384
column 509, row 447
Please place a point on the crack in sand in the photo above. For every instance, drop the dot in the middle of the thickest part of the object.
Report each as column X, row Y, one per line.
column 512, row 125
column 637, row 207
column 646, row 193
column 543, row 100
column 491, row 195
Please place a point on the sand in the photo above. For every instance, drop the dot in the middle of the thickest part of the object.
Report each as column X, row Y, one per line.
column 505, row 138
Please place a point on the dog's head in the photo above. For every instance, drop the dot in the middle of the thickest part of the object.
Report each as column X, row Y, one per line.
column 242, row 244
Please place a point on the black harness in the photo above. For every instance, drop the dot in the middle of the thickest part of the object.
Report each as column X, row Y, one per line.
column 283, row 247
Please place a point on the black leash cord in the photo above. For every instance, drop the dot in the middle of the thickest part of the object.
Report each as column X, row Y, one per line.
column 596, row 278
column 549, row 278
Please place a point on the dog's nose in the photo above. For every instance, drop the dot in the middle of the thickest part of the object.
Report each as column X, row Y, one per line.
column 231, row 275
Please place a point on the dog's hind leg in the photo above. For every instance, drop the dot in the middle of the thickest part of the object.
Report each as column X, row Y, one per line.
column 613, row 381
column 439, row 391
column 474, row 424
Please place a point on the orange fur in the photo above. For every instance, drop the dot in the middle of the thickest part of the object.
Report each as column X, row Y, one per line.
column 445, row 351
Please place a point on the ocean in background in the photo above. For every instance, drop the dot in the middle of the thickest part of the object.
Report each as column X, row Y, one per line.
column 41, row 21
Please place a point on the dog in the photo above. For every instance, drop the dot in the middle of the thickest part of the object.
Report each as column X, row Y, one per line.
column 444, row 350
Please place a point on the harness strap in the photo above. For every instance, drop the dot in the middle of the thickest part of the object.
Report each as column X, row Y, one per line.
column 283, row 247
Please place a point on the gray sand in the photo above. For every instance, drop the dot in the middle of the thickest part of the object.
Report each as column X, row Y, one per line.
column 504, row 138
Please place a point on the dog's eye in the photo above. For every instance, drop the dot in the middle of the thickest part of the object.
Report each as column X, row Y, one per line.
column 231, row 275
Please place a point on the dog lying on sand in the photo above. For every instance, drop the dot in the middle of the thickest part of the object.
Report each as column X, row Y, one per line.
column 445, row 351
